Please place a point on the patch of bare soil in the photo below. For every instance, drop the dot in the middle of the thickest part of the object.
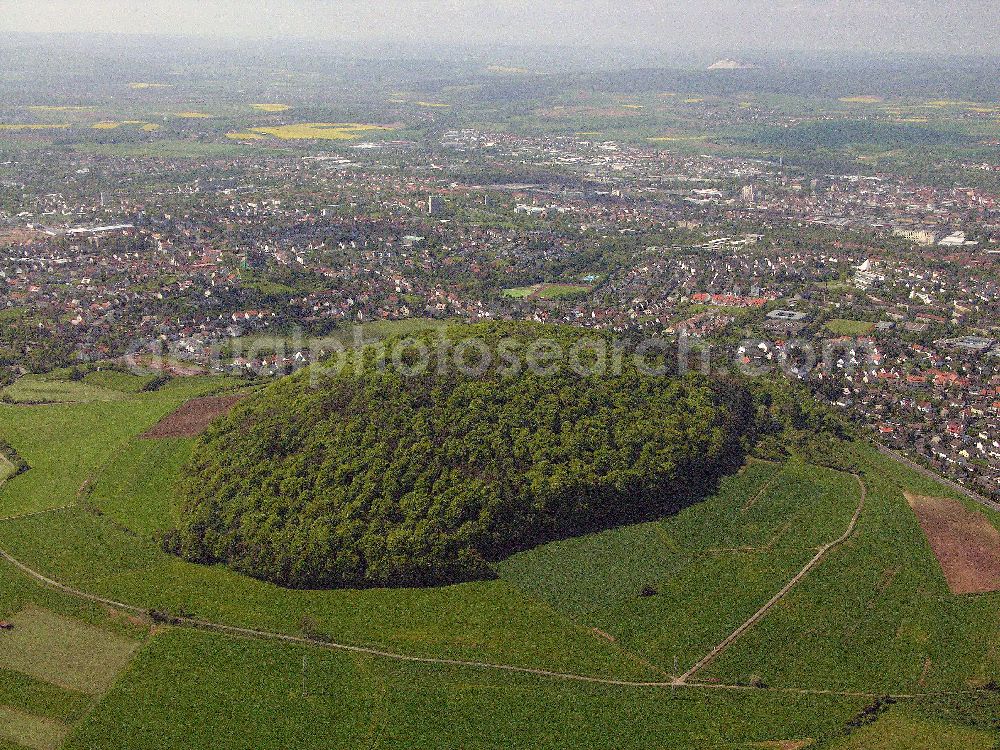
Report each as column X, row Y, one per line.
column 192, row 418
column 966, row 544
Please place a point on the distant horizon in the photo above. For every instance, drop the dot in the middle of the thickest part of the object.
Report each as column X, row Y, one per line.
column 668, row 27
column 642, row 55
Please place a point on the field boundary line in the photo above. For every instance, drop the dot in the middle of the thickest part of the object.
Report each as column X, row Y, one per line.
column 244, row 632
column 950, row 483
column 768, row 484
column 763, row 611
column 34, row 513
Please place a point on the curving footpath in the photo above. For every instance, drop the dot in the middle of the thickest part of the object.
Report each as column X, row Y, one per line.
column 678, row 682
column 762, row 612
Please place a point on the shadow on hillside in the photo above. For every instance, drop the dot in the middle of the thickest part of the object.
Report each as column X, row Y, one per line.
column 669, row 502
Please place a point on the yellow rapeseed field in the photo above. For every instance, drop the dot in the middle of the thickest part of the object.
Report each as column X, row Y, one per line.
column 32, row 126
column 327, row 131
column 60, row 108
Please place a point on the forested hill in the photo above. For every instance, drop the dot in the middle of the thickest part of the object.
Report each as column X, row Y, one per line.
column 372, row 477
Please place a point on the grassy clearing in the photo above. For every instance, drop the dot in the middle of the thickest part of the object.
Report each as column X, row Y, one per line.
column 841, row 327
column 63, row 651
column 877, row 614
column 114, row 380
column 271, row 107
column 901, row 730
column 29, row 731
column 546, row 291
column 189, row 689
column 712, row 565
column 560, row 291
column 520, row 292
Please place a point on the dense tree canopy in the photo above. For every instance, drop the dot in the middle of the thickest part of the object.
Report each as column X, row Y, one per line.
column 375, row 477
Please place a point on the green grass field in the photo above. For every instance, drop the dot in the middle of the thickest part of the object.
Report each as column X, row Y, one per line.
column 841, row 327
column 36, row 732
column 875, row 616
column 136, row 487
column 712, row 565
column 546, row 291
column 63, row 651
column 68, row 444
column 40, row 389
column 900, row 730
column 63, row 639
column 114, row 380
column 519, row 292
column 190, row 689
column 878, row 613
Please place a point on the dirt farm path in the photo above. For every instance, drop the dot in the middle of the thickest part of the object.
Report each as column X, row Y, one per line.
column 762, row 612
column 682, row 682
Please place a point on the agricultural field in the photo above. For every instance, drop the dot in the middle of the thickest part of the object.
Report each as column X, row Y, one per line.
column 323, row 131
column 878, row 613
column 965, row 543
column 38, row 389
column 67, row 443
column 135, row 487
column 875, row 616
column 64, row 652
column 179, row 688
column 900, row 730
column 711, row 565
column 57, row 662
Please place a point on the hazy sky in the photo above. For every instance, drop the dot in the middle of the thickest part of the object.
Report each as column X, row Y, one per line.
column 905, row 25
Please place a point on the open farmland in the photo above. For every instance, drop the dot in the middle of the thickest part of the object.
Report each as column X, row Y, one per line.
column 964, row 542
column 322, row 131
column 43, row 390
column 180, row 688
column 899, row 729
column 192, row 418
column 64, row 652
column 675, row 588
column 878, row 612
column 576, row 606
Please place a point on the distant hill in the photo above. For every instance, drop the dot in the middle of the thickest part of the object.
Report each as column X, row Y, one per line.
column 729, row 64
